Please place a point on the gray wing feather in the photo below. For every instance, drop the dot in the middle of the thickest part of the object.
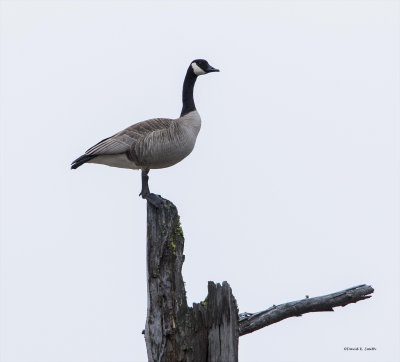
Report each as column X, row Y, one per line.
column 129, row 138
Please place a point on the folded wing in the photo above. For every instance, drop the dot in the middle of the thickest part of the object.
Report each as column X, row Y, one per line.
column 124, row 141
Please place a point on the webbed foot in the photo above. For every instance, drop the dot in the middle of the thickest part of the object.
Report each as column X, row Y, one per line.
column 155, row 200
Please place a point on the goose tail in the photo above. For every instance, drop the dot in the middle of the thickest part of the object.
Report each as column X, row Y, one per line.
column 80, row 161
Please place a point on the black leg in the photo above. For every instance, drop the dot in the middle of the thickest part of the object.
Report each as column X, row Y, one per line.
column 155, row 200
column 145, row 183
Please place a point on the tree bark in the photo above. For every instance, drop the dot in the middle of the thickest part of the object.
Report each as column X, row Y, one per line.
column 208, row 331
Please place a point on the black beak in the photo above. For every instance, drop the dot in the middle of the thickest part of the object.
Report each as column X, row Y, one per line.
column 211, row 69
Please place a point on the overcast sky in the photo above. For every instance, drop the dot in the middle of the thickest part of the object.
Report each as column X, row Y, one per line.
column 292, row 188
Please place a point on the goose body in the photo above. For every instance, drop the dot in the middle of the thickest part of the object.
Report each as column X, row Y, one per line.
column 154, row 143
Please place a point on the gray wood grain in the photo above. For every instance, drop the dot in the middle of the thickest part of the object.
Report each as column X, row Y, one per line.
column 208, row 331
column 250, row 322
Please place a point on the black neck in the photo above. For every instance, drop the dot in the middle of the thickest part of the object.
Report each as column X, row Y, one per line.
column 187, row 92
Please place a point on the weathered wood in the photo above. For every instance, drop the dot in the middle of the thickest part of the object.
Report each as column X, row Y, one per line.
column 175, row 332
column 165, row 288
column 250, row 322
column 210, row 330
column 222, row 316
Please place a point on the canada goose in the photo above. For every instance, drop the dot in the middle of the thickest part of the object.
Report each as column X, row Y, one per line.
column 155, row 143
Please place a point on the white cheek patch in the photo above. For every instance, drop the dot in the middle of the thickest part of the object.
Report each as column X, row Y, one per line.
column 197, row 70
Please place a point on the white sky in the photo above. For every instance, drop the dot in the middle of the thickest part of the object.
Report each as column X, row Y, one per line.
column 292, row 189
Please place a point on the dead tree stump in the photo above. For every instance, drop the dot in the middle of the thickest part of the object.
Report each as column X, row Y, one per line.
column 209, row 330
column 174, row 332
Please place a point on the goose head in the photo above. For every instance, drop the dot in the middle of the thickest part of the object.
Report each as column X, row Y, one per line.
column 201, row 66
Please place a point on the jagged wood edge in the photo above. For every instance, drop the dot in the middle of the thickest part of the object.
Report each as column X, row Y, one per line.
column 251, row 322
